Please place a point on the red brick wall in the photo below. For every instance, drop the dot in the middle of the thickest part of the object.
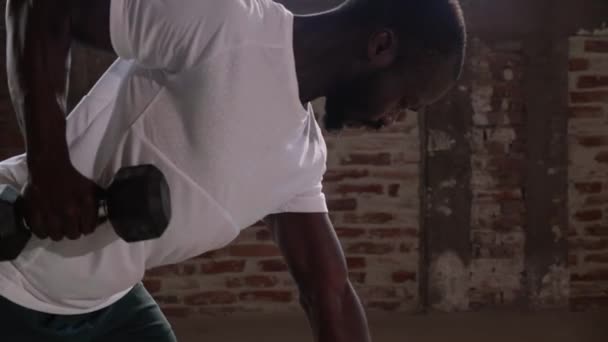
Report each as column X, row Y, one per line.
column 588, row 170
column 497, row 167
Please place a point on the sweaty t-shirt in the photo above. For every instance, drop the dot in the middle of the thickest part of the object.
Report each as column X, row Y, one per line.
column 205, row 90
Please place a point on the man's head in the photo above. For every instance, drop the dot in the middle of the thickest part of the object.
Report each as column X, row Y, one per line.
column 405, row 54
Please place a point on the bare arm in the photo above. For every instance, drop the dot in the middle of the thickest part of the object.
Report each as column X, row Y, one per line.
column 40, row 35
column 317, row 263
column 39, row 38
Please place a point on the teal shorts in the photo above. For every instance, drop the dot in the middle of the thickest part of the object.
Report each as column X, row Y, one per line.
column 136, row 317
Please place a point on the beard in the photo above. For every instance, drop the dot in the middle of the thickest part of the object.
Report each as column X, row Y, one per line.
column 337, row 116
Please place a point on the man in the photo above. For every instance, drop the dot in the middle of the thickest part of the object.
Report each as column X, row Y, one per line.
column 215, row 94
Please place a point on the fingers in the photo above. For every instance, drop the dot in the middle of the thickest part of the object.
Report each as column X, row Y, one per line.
column 59, row 218
column 53, row 226
column 57, row 226
column 35, row 224
column 72, row 225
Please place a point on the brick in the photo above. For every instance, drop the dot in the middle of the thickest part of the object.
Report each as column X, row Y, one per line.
column 355, row 263
column 254, row 281
column 512, row 208
column 589, row 96
column 378, row 292
column 370, row 248
column 378, row 159
column 378, row 218
column 393, row 190
column 506, row 223
column 387, row 233
column 152, row 285
column 272, row 265
column 342, row 204
column 263, row 235
column 499, row 195
column 600, row 46
column 602, row 157
column 340, row 175
column 232, row 283
column 228, row 266
column 384, row 306
column 403, row 172
column 405, row 248
column 210, row 298
column 266, row 296
column 227, row 310
column 589, row 245
column 189, row 269
column 261, row 281
column 578, row 64
column 347, row 189
column 254, row 250
column 180, row 284
column 572, row 260
column 357, row 278
column 587, row 82
column 593, row 140
column 596, row 275
column 403, row 276
column 596, row 200
column 163, row 300
column 588, row 187
column 589, row 215
column 346, row 233
column 503, row 251
column 586, row 112
column 597, row 230
column 600, row 258
column 177, row 311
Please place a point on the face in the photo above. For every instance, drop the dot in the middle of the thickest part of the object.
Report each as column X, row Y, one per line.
column 374, row 99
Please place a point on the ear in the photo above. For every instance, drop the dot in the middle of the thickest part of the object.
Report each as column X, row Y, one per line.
column 382, row 48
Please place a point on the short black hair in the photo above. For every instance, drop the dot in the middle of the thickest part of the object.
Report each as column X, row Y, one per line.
column 434, row 27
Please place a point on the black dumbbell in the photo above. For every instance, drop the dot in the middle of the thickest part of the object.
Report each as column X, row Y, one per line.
column 137, row 204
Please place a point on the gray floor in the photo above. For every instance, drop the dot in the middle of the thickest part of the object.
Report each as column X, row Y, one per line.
column 470, row 327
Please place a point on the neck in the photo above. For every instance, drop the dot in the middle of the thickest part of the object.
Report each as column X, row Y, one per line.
column 320, row 50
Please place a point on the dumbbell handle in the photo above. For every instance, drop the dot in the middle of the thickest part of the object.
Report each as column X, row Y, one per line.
column 137, row 203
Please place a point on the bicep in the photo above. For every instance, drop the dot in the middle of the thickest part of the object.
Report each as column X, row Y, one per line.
column 311, row 249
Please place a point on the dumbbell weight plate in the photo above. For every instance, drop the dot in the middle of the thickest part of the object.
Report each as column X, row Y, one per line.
column 139, row 203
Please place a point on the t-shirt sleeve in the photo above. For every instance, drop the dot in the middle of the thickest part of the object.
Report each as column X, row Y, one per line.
column 165, row 34
column 311, row 201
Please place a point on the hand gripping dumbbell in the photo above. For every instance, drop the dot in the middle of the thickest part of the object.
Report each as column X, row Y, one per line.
column 137, row 204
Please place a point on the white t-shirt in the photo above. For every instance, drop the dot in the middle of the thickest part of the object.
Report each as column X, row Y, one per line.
column 205, row 90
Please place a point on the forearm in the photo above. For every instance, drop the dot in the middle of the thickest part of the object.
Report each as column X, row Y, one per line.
column 38, row 51
column 336, row 317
